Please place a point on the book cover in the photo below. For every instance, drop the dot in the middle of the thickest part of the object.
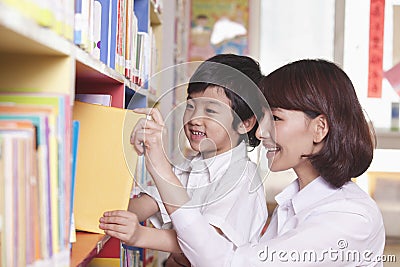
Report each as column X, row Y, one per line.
column 59, row 158
column 18, row 139
column 97, row 12
column 104, row 29
column 112, row 41
column 74, row 152
column 100, row 99
column 128, row 38
column 40, row 119
column 105, row 162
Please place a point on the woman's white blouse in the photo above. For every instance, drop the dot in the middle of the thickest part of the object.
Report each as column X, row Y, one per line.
column 317, row 226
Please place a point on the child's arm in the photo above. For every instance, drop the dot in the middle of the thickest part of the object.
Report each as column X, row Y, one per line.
column 147, row 139
column 143, row 206
column 125, row 226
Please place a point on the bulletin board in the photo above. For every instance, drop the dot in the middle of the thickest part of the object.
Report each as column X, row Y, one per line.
column 218, row 27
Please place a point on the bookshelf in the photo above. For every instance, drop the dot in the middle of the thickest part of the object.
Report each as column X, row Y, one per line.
column 37, row 58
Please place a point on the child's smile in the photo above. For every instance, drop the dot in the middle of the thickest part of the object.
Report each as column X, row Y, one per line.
column 208, row 122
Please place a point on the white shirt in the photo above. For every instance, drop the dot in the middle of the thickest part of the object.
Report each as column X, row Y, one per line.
column 317, row 226
column 227, row 192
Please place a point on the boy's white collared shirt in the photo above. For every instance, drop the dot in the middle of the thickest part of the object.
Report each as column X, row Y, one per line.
column 221, row 188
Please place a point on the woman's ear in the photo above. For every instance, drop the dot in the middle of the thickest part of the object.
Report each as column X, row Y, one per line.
column 246, row 125
column 321, row 128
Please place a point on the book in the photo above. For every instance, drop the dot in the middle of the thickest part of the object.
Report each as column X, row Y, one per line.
column 59, row 158
column 100, row 99
column 105, row 162
column 112, row 41
column 105, row 6
column 40, row 118
column 74, row 152
column 18, row 138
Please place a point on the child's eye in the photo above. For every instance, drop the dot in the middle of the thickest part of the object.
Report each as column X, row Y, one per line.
column 189, row 106
column 208, row 110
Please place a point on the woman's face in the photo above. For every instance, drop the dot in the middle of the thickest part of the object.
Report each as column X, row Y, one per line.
column 292, row 138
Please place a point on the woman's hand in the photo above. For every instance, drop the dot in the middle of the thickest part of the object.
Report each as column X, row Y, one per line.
column 123, row 225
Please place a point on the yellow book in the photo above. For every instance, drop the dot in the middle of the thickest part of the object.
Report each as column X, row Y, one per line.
column 104, row 262
column 106, row 162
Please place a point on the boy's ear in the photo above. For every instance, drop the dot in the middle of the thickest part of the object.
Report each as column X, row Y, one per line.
column 321, row 128
column 247, row 125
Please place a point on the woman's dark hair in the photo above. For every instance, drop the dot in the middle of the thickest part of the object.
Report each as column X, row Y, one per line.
column 320, row 87
column 239, row 77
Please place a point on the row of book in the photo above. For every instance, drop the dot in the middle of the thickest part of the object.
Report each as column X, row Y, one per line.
column 117, row 32
column 37, row 138
column 60, row 169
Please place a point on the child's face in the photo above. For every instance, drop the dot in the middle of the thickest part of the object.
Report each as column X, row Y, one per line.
column 208, row 121
column 293, row 137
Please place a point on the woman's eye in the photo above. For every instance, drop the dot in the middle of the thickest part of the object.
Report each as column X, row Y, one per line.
column 276, row 118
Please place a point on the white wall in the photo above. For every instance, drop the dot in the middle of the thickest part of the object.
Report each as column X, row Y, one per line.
column 292, row 30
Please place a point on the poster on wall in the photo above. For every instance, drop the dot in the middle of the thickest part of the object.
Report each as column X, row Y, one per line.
column 376, row 30
column 218, row 27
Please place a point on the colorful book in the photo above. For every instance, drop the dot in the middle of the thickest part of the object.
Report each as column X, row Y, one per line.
column 74, row 152
column 60, row 159
column 18, row 140
column 40, row 118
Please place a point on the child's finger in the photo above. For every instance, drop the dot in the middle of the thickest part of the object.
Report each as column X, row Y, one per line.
column 120, row 213
column 152, row 113
column 150, row 124
column 115, row 234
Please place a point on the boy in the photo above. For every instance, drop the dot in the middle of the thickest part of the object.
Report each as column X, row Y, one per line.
column 220, row 178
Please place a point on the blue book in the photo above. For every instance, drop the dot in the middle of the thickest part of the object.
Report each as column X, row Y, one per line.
column 142, row 13
column 104, row 29
column 74, row 152
column 112, row 40
column 78, row 14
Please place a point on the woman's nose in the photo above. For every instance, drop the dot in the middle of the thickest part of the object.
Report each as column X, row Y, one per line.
column 265, row 129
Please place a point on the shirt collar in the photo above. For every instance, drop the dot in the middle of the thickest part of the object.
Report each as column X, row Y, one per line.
column 315, row 191
column 219, row 164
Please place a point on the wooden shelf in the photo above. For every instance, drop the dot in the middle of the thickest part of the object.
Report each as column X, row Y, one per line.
column 88, row 67
column 87, row 246
column 33, row 40
column 387, row 139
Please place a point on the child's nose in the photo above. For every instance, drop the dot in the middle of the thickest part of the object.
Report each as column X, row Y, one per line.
column 197, row 116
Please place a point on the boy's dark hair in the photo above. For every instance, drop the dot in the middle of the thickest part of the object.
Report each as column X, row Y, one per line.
column 320, row 87
column 239, row 77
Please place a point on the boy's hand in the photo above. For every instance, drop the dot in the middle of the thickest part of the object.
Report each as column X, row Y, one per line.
column 147, row 138
column 121, row 224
